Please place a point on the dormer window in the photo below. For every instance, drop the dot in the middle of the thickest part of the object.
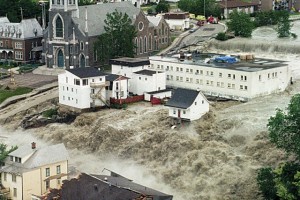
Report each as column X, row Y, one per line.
column 17, row 160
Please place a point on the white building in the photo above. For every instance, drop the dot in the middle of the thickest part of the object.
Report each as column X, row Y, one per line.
column 144, row 81
column 82, row 88
column 240, row 81
column 141, row 80
column 187, row 104
column 30, row 171
column 118, row 86
column 177, row 21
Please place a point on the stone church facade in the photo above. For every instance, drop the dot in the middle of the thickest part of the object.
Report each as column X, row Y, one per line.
column 73, row 30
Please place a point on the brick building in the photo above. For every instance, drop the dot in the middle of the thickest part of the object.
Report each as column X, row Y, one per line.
column 20, row 42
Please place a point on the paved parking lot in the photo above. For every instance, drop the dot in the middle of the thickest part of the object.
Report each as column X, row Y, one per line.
column 30, row 80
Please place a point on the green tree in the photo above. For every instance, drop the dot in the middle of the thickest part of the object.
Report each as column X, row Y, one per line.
column 4, row 152
column 12, row 9
column 198, row 7
column 284, row 25
column 240, row 23
column 85, row 2
column 266, row 183
column 162, row 6
column 284, row 127
column 117, row 41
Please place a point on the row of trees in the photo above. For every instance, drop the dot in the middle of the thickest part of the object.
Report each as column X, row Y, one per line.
column 14, row 8
column 283, row 182
column 200, row 7
column 242, row 24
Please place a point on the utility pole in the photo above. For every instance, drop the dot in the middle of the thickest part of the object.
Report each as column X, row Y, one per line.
column 204, row 8
column 21, row 13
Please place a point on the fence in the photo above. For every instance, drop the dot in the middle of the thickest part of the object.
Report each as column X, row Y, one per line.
column 131, row 99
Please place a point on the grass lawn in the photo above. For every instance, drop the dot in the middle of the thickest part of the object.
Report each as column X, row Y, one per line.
column 4, row 94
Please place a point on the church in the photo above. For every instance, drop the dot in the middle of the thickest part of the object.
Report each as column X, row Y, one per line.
column 73, row 30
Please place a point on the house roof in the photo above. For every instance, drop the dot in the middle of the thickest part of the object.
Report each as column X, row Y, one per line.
column 97, row 14
column 159, row 91
column 39, row 157
column 86, row 72
column 147, row 72
column 130, row 62
column 176, row 15
column 182, row 98
column 99, row 187
column 236, row 3
column 113, row 77
column 123, row 182
column 26, row 28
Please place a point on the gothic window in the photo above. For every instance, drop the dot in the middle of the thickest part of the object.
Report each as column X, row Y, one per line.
column 70, row 1
column 136, row 45
column 141, row 45
column 53, row 2
column 59, row 27
column 150, row 42
column 81, row 46
column 145, row 44
column 58, row 2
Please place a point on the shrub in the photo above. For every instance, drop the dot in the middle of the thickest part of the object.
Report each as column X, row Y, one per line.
column 49, row 113
column 222, row 36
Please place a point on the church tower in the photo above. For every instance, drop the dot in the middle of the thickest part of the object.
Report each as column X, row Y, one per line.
column 60, row 29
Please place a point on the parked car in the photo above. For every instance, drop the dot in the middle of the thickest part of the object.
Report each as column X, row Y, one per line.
column 192, row 30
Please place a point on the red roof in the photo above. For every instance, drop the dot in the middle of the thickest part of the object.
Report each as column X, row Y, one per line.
column 236, row 3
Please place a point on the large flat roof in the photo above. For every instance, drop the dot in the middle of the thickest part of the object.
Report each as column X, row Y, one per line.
column 257, row 64
column 130, row 62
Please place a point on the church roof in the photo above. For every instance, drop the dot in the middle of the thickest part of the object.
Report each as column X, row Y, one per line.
column 154, row 20
column 97, row 14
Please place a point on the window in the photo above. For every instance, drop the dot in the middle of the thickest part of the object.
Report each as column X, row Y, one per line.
column 218, row 84
column 67, row 80
column 19, row 55
column 233, row 86
column 71, row 49
column 58, row 1
column 1, row 44
column 58, row 26
column 201, row 82
column 211, row 83
column 207, row 82
column 70, row 1
column 171, row 68
column 14, row 178
column 47, row 172
column 85, row 82
column 268, row 75
column 177, row 69
column 197, row 81
column 58, row 169
column 187, row 79
column 174, row 112
column 11, row 158
column 259, row 77
column 67, row 88
column 201, row 72
column 202, row 101
column 220, row 75
column 241, row 87
column 229, row 85
column 233, row 76
column 15, row 192
column 100, row 79
column 275, row 74
column 47, row 185
column 191, row 70
column 58, row 181
column 211, row 73
column 76, row 81
column 5, row 176
column 195, row 103
column 76, row 101
column 140, row 78
column 187, row 70
column 81, row 46
column 246, row 87
column 18, row 45
column 197, row 71
column 229, row 75
column 245, row 77
column 181, row 69
column 17, row 159
column 207, row 73
column 183, row 112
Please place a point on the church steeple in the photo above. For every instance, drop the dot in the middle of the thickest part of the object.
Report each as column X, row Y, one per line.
column 65, row 5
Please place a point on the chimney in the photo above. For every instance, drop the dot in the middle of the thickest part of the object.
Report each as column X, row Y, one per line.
column 33, row 145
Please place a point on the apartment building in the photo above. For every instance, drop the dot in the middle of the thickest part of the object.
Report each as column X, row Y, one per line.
column 242, row 80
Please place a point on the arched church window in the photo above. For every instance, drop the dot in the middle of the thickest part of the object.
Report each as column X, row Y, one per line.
column 53, row 2
column 145, row 44
column 58, row 2
column 70, row 1
column 141, row 45
column 59, row 27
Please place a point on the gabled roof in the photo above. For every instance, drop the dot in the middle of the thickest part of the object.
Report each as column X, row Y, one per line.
column 182, row 98
column 147, row 72
column 130, row 62
column 4, row 20
column 86, row 72
column 123, row 182
column 97, row 14
column 236, row 3
column 154, row 19
column 39, row 157
column 175, row 15
column 113, row 77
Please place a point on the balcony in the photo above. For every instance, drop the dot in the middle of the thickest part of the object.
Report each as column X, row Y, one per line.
column 99, row 85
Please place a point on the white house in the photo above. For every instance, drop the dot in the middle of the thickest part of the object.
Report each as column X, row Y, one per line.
column 118, row 86
column 30, row 171
column 144, row 81
column 187, row 104
column 82, row 88
column 242, row 80
column 177, row 21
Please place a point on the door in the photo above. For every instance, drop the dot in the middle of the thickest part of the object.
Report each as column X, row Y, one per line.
column 60, row 58
column 179, row 113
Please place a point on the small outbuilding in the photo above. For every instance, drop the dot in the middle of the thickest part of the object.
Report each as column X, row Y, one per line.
column 187, row 104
